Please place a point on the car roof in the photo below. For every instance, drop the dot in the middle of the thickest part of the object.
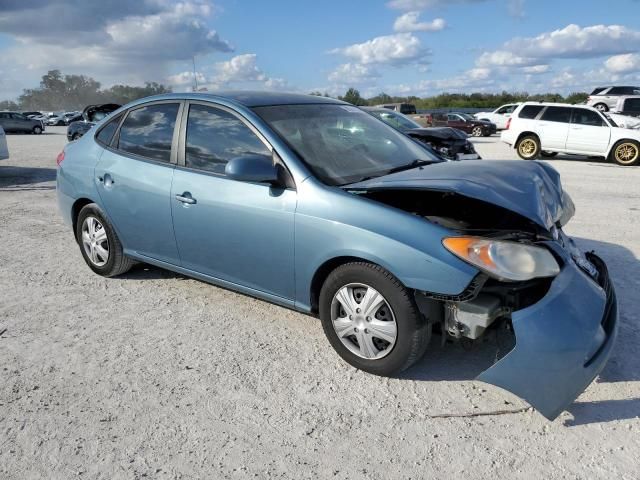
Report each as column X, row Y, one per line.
column 555, row 104
column 248, row 98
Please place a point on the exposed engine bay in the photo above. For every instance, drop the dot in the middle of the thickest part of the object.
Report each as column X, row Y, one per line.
column 487, row 302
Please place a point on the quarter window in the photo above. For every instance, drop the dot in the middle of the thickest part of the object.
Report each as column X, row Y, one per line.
column 587, row 117
column 106, row 133
column 148, row 131
column 632, row 104
column 557, row 114
column 215, row 136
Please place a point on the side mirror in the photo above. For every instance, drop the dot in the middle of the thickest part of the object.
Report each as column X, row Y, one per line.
column 253, row 168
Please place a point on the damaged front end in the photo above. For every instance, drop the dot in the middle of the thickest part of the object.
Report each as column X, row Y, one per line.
column 558, row 302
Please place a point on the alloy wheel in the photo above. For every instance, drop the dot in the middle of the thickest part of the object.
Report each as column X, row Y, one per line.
column 626, row 153
column 477, row 131
column 364, row 321
column 527, row 148
column 95, row 241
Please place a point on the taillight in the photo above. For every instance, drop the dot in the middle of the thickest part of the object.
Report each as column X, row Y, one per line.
column 508, row 124
column 60, row 158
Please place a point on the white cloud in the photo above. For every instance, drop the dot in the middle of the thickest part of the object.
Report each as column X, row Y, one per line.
column 503, row 58
column 409, row 22
column 353, row 73
column 516, row 8
column 536, row 69
column 241, row 70
column 574, row 41
column 424, row 4
column 400, row 48
column 114, row 42
column 185, row 79
column 625, row 63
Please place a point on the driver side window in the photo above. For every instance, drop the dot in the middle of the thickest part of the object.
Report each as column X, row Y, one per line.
column 215, row 136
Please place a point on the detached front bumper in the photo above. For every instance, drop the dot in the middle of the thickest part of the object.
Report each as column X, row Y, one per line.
column 562, row 342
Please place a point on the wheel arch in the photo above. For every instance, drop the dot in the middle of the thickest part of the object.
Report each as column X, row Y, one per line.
column 324, row 270
column 526, row 134
column 78, row 205
column 614, row 145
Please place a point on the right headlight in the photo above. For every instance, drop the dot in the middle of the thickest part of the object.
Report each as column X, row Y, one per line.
column 503, row 259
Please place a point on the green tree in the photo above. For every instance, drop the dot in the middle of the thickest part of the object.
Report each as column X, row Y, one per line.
column 353, row 97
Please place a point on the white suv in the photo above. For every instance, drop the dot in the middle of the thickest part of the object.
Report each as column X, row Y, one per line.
column 545, row 129
column 500, row 116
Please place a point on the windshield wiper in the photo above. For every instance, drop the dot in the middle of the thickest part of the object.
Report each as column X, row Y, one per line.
column 409, row 166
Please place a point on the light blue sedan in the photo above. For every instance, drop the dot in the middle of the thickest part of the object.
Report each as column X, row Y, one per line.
column 312, row 204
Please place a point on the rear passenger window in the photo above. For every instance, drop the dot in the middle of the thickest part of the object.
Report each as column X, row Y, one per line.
column 148, row 131
column 557, row 114
column 215, row 136
column 587, row 117
column 530, row 111
column 105, row 134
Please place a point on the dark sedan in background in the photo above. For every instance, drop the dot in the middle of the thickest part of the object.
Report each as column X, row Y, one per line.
column 89, row 117
column 446, row 142
column 466, row 123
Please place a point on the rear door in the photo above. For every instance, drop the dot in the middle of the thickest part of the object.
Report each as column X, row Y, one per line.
column 588, row 133
column 238, row 232
column 553, row 127
column 134, row 178
column 4, row 150
column 457, row 121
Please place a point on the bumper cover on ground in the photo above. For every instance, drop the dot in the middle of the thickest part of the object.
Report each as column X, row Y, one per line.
column 562, row 342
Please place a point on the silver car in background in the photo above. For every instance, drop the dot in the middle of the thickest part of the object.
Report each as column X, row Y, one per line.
column 606, row 98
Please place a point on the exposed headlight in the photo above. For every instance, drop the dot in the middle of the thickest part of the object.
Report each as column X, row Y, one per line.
column 502, row 259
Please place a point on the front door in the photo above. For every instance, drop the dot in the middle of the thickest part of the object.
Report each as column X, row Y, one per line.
column 134, row 178
column 234, row 231
column 588, row 133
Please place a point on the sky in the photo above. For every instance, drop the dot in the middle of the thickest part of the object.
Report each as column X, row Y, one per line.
column 400, row 47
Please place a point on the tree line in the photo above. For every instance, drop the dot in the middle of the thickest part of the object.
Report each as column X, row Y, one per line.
column 58, row 91
column 459, row 100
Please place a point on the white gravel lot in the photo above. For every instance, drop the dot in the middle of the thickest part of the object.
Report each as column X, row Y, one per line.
column 159, row 376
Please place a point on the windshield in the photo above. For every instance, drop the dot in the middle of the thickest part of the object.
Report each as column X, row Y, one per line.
column 396, row 120
column 341, row 144
column 611, row 121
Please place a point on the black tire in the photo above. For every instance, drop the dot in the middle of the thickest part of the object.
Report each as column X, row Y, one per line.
column 117, row 263
column 546, row 154
column 603, row 107
column 528, row 147
column 413, row 330
column 37, row 130
column 626, row 153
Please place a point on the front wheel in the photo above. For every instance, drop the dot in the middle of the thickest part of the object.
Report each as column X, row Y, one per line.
column 477, row 131
column 602, row 107
column 626, row 153
column 37, row 130
column 99, row 244
column 528, row 147
column 372, row 320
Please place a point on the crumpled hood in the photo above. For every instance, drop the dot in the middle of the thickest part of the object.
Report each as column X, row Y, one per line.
column 531, row 189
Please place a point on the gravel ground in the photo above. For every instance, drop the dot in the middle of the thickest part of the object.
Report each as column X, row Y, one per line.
column 160, row 376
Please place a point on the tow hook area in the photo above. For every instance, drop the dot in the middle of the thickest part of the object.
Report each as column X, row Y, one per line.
column 470, row 319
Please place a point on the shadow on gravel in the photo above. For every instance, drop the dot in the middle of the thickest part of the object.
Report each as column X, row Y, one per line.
column 603, row 411
column 11, row 176
column 143, row 271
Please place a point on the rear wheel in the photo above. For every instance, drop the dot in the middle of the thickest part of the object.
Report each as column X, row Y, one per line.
column 372, row 320
column 37, row 130
column 602, row 107
column 528, row 147
column 477, row 131
column 626, row 152
column 99, row 243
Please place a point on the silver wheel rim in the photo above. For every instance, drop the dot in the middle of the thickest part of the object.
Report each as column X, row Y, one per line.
column 364, row 321
column 601, row 107
column 477, row 131
column 95, row 242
